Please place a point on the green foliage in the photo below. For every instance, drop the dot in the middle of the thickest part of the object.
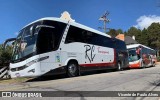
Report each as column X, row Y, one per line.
column 119, row 31
column 158, row 59
column 143, row 39
column 154, row 35
column 149, row 37
column 5, row 55
column 136, row 32
column 114, row 32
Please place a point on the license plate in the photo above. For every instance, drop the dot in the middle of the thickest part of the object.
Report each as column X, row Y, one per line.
column 17, row 75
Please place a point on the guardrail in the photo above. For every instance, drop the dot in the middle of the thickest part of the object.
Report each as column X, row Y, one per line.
column 4, row 72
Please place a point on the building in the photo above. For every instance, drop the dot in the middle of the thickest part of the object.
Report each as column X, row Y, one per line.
column 128, row 40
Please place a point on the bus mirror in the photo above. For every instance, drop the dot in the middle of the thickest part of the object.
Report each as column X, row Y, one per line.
column 6, row 41
column 32, row 30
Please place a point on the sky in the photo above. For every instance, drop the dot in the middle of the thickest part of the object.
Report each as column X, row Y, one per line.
column 15, row 14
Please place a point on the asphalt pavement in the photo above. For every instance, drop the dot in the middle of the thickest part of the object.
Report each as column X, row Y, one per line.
column 147, row 79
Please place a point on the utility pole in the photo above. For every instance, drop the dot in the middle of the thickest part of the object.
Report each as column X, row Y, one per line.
column 105, row 21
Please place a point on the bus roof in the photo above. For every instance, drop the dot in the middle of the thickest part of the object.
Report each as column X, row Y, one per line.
column 137, row 45
column 73, row 23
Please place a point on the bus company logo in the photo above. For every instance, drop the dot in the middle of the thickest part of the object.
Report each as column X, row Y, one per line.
column 6, row 94
column 89, row 53
column 102, row 51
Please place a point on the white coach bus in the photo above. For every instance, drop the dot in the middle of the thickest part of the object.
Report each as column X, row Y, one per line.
column 141, row 56
column 60, row 45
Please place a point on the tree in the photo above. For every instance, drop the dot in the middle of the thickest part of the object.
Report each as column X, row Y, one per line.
column 119, row 31
column 5, row 55
column 133, row 31
column 143, row 39
column 114, row 32
column 154, row 35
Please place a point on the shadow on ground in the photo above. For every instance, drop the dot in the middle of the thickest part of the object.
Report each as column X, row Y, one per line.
column 62, row 76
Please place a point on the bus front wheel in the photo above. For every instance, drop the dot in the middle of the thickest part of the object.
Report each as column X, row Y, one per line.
column 72, row 69
column 153, row 63
column 142, row 65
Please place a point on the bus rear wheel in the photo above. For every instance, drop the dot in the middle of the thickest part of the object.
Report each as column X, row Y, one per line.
column 72, row 69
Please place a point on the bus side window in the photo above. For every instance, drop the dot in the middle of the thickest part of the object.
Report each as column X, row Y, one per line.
column 74, row 35
column 87, row 37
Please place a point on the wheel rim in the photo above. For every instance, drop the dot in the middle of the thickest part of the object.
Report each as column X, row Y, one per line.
column 72, row 69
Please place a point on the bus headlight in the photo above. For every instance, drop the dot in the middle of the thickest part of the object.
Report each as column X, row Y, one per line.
column 36, row 60
column 29, row 64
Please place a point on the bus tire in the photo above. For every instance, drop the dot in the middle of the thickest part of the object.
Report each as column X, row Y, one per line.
column 153, row 64
column 119, row 66
column 72, row 69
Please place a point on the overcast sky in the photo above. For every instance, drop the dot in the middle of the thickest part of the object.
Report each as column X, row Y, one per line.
column 15, row 14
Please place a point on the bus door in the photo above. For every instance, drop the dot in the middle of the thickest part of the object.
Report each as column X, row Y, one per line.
column 146, row 57
column 45, row 44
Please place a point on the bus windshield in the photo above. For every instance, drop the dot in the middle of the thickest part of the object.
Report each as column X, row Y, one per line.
column 132, row 55
column 46, row 38
column 24, row 45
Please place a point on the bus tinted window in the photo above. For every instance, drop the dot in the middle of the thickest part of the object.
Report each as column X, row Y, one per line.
column 120, row 44
column 49, row 37
column 76, row 34
column 104, row 41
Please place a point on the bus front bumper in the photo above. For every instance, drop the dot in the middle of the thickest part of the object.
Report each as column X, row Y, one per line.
column 135, row 64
